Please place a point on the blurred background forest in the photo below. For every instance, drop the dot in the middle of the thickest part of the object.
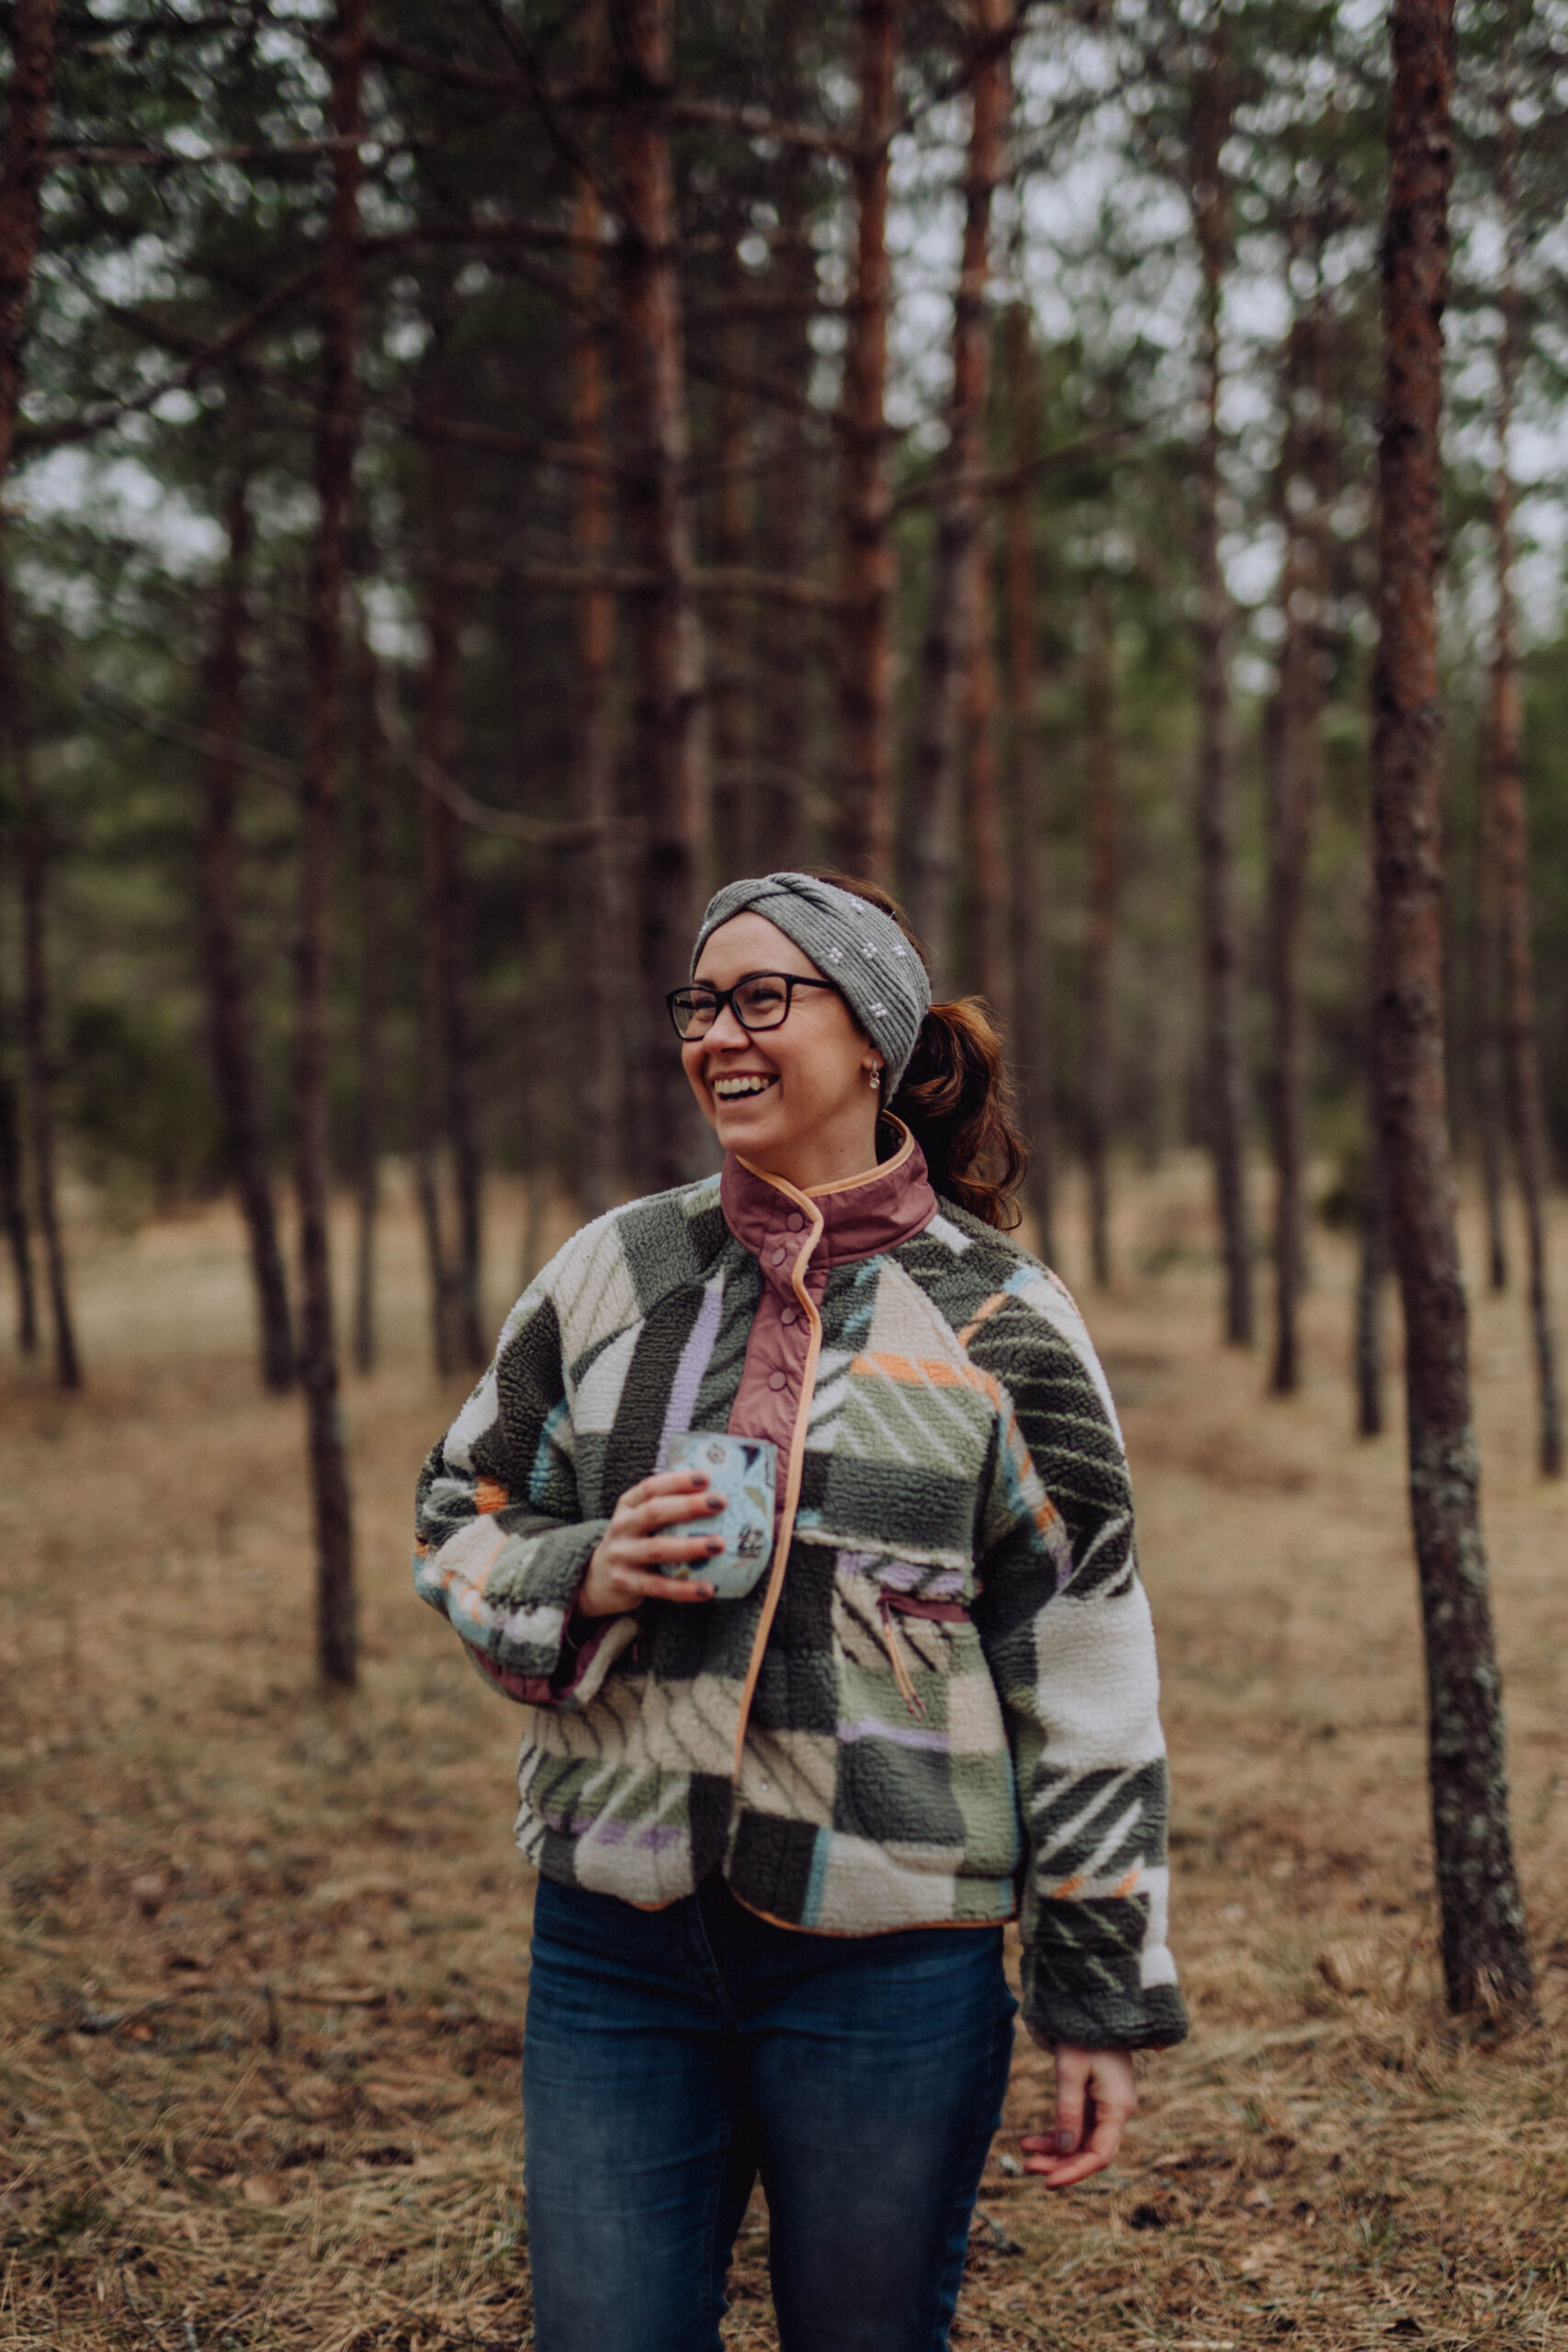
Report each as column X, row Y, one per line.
column 960, row 470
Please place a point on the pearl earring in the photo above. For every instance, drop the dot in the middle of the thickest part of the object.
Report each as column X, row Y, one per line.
column 873, row 1078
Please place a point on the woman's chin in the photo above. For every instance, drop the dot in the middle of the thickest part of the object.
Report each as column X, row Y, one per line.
column 749, row 1125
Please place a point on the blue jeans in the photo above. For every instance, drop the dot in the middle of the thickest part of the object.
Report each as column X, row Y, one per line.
column 672, row 2057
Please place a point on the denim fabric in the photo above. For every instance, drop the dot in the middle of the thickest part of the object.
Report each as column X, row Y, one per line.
column 672, row 2057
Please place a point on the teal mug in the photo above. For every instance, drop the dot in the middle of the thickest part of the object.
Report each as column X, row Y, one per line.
column 742, row 1470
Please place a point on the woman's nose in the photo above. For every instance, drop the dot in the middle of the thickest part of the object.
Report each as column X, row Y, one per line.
column 726, row 1030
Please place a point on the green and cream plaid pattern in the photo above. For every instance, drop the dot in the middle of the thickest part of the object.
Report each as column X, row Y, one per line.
column 955, row 1714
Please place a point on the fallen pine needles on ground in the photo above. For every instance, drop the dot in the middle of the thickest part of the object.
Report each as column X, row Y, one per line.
column 264, row 1955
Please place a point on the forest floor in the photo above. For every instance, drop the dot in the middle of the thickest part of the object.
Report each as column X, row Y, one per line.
column 264, row 1955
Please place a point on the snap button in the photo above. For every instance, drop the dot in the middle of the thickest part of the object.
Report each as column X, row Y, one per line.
column 789, row 1315
column 779, row 1257
column 778, row 1380
column 797, row 1223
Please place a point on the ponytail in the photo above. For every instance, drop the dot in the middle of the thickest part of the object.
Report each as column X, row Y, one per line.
column 956, row 1100
column 955, row 1097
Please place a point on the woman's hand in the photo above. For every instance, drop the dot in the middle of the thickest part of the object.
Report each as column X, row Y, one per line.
column 624, row 1570
column 1096, row 2099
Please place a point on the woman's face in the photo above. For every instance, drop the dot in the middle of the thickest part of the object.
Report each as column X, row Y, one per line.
column 798, row 1099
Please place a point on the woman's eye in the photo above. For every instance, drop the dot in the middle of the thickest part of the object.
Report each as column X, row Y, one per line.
column 764, row 997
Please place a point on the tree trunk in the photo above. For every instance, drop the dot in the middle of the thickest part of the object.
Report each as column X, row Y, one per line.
column 37, row 1058
column 730, row 691
column 449, row 1147
column 372, row 986
column 235, row 1075
column 1294, row 773
column 14, row 1213
column 989, row 941
column 1371, row 1273
column 1099, row 734
column 668, row 667
column 446, row 1028
column 863, row 838
column 1031, row 946
column 782, row 637
column 1489, row 1026
column 439, row 914
column 958, row 556
column 603, row 1000
column 1505, row 792
column 1225, row 1076
column 29, row 101
column 336, row 1615
column 1485, row 1958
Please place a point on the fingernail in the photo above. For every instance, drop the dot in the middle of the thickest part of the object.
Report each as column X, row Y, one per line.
column 1065, row 2143
column 716, row 1546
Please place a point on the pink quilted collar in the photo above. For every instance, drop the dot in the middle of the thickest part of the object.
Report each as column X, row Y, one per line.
column 860, row 1216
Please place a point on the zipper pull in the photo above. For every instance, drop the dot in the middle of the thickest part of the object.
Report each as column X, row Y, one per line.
column 912, row 1699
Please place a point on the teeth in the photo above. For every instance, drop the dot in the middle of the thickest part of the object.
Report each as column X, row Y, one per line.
column 728, row 1088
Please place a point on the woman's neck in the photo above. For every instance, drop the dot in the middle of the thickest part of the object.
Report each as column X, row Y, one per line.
column 823, row 1159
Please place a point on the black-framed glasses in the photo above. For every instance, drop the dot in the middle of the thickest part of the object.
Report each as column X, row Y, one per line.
column 759, row 1000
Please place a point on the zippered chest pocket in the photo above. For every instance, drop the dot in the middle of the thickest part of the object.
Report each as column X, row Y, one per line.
column 904, row 1637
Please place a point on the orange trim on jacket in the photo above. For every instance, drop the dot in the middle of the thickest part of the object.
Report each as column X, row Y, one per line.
column 854, row 1217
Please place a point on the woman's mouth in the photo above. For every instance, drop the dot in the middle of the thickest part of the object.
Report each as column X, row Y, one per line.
column 737, row 1087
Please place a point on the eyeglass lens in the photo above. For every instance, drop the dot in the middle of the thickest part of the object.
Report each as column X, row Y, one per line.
column 761, row 1002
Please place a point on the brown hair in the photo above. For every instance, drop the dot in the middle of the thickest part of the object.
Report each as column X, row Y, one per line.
column 956, row 1097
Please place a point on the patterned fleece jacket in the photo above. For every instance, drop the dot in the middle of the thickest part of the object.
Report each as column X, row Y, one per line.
column 941, row 1703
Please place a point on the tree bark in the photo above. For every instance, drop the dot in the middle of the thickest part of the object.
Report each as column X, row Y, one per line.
column 989, row 943
column 446, row 1027
column 1099, row 735
column 603, row 1000
column 1371, row 1273
column 1505, row 792
column 958, row 556
column 1489, row 995
column 863, row 837
column 730, row 693
column 783, row 629
column 14, row 1215
column 1225, row 1075
column 29, row 101
column 234, row 1071
column 372, row 988
column 38, row 1057
column 1032, row 944
column 1485, row 1958
column 337, row 1615
column 668, row 691
column 1294, row 773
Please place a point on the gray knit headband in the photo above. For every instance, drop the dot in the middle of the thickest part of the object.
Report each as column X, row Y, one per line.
column 852, row 942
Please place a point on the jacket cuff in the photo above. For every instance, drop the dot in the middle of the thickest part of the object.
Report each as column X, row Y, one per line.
column 1102, row 2016
column 510, row 1596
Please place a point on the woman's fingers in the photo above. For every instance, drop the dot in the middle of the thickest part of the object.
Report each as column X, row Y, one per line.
column 643, row 1550
column 669, row 1511
column 1096, row 2098
column 664, row 1483
column 1044, row 2155
column 1073, row 2068
column 640, row 1586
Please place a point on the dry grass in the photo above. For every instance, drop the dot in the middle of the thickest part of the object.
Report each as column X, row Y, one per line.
column 263, row 1956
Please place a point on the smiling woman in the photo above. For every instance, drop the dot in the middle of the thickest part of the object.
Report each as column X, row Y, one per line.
column 784, row 1075
column 757, row 1820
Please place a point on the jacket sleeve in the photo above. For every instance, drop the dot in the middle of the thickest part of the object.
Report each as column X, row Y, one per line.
column 501, row 1543
column 1066, row 1626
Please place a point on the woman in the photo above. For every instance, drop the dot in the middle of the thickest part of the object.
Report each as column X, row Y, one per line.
column 777, row 1835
